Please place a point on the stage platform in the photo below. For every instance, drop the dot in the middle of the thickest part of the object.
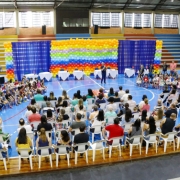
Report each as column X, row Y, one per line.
column 12, row 166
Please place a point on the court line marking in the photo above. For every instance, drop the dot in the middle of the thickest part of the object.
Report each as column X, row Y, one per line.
column 60, row 85
column 95, row 82
column 79, row 86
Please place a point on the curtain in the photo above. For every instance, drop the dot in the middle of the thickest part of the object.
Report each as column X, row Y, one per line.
column 31, row 57
column 134, row 53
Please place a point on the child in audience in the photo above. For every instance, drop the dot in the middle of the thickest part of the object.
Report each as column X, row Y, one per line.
column 146, row 80
column 156, row 81
column 139, row 80
column 161, row 82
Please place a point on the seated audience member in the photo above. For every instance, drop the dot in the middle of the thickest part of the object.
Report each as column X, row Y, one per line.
column 23, row 125
column 34, row 104
column 4, row 150
column 111, row 92
column 172, row 96
column 112, row 104
column 84, row 101
column 116, row 97
column 135, row 130
column 124, row 98
column 39, row 96
column 63, row 114
column 82, row 111
column 64, row 95
column 90, row 94
column 44, row 124
column 158, row 115
column 79, row 94
column 80, row 103
column 142, row 103
column 44, row 103
column 65, row 139
column 59, row 102
column 28, row 112
column 110, row 112
column 132, row 104
column 144, row 116
column 50, row 116
column 127, row 118
column 23, row 141
column 51, row 97
column 171, row 110
column 159, row 105
column 34, row 116
column 146, row 106
column 82, row 137
column 121, row 92
column 101, row 92
column 114, row 130
column 100, row 99
column 43, row 140
column 94, row 113
column 150, row 126
column 77, row 123
column 168, row 124
column 75, row 100
column 99, row 118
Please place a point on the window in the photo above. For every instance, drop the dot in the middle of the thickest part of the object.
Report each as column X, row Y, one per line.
column 36, row 19
column 23, row 19
column 66, row 22
column 115, row 19
column 128, row 19
column 85, row 22
column 1, row 20
column 167, row 20
column 46, row 18
column 158, row 20
column 147, row 20
column 9, row 19
column 174, row 23
column 137, row 20
column 105, row 19
column 96, row 19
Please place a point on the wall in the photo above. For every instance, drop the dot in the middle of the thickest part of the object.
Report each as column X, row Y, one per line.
column 165, row 31
column 8, row 31
column 107, row 31
column 137, row 31
column 35, row 31
column 70, row 13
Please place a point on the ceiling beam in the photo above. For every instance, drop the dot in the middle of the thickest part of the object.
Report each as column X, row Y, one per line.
column 55, row 1
column 15, row 4
column 57, row 5
column 92, row 4
column 128, row 2
column 161, row 2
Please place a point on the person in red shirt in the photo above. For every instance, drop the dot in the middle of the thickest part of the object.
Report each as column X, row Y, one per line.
column 35, row 116
column 114, row 130
column 146, row 80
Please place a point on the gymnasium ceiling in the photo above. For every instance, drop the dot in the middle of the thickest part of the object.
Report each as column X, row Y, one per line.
column 163, row 5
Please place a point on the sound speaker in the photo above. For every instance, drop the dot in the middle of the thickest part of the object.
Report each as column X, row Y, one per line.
column 2, row 81
column 44, row 29
column 96, row 29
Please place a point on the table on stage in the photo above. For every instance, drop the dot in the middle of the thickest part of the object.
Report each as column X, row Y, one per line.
column 46, row 75
column 31, row 76
column 78, row 74
column 129, row 72
column 63, row 75
column 109, row 72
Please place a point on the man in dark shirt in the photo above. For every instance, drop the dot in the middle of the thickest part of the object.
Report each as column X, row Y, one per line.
column 116, row 98
column 82, row 137
column 103, row 70
column 171, row 110
column 100, row 99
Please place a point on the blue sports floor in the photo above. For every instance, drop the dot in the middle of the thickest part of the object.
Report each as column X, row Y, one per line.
column 11, row 117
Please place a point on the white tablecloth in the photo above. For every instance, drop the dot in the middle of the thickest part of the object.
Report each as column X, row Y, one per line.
column 31, row 76
column 146, row 71
column 97, row 73
column 129, row 72
column 63, row 75
column 112, row 72
column 46, row 75
column 78, row 74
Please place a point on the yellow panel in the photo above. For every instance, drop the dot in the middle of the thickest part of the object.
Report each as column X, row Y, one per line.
column 95, row 35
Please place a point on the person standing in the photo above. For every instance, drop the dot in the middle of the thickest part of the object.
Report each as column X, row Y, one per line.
column 173, row 68
column 141, row 71
column 103, row 70
column 151, row 69
column 164, row 68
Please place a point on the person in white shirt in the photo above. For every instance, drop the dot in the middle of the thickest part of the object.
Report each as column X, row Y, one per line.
column 132, row 103
column 111, row 104
column 142, row 103
column 124, row 98
column 23, row 125
column 28, row 112
column 121, row 92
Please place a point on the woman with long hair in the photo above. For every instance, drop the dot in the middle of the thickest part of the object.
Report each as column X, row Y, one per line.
column 65, row 139
column 34, row 104
column 127, row 118
column 23, row 141
column 146, row 106
column 158, row 114
column 64, row 95
column 50, row 116
column 90, row 94
column 51, row 97
column 59, row 102
column 77, row 106
column 43, row 140
column 111, row 92
column 44, row 124
column 150, row 127
column 144, row 115
column 100, row 116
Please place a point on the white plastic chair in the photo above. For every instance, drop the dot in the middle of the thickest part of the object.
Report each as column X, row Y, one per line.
column 150, row 139
column 91, row 100
column 102, row 106
column 24, row 153
column 35, row 124
column 4, row 159
column 115, row 143
column 110, row 120
column 97, row 130
column 127, row 126
column 61, row 151
column 31, row 136
column 44, row 153
column 76, row 131
column 53, row 102
column 40, row 103
column 81, row 149
column 2, row 140
column 169, row 138
column 58, row 134
column 136, row 142
column 98, row 145
column 89, row 108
